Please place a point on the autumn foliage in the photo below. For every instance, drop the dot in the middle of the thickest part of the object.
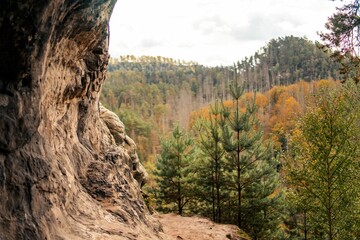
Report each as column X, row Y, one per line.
column 278, row 109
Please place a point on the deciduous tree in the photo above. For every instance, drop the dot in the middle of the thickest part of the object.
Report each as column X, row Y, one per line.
column 323, row 164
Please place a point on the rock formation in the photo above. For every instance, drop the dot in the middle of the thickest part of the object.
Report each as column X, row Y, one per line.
column 65, row 172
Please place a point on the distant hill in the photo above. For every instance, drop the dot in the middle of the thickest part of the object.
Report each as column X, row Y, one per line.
column 285, row 61
column 282, row 61
column 151, row 93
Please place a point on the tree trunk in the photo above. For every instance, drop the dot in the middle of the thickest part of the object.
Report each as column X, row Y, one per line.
column 305, row 226
column 218, row 206
column 213, row 195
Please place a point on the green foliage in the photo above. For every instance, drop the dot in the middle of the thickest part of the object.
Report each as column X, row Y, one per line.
column 135, row 124
column 212, row 171
column 174, row 172
column 284, row 61
column 228, row 172
column 252, row 174
column 164, row 91
column 323, row 164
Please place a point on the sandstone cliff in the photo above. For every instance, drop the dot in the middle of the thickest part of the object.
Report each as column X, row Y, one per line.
column 67, row 168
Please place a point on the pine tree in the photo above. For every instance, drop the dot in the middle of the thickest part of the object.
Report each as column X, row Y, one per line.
column 211, row 172
column 174, row 175
column 251, row 167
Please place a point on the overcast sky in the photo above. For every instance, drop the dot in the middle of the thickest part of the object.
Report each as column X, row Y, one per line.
column 211, row 32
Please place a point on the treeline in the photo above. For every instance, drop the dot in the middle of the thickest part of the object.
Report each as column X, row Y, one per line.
column 284, row 61
column 151, row 94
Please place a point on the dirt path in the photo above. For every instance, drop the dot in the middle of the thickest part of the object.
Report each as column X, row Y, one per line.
column 196, row 228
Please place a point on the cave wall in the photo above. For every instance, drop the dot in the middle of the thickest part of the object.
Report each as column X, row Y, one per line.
column 63, row 174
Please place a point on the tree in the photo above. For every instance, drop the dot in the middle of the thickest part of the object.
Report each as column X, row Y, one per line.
column 174, row 171
column 213, row 163
column 323, row 163
column 343, row 39
column 251, row 168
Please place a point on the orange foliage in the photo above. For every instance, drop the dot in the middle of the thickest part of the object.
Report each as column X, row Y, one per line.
column 285, row 112
column 249, row 96
column 279, row 108
column 261, row 100
column 274, row 94
column 228, row 103
column 202, row 113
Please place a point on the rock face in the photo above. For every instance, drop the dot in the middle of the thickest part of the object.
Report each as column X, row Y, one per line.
column 67, row 168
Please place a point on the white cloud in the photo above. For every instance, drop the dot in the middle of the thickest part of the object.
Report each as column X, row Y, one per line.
column 211, row 32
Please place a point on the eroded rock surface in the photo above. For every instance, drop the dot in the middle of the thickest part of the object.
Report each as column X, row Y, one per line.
column 64, row 172
column 125, row 146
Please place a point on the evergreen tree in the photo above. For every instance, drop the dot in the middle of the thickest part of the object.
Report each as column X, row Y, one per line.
column 251, row 167
column 211, row 172
column 174, row 175
column 323, row 164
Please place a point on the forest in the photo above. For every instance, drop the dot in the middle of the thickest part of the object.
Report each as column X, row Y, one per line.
column 167, row 91
column 269, row 144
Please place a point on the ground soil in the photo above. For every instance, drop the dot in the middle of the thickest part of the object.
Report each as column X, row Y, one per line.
column 197, row 228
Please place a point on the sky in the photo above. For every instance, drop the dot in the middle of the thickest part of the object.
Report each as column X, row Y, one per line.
column 212, row 32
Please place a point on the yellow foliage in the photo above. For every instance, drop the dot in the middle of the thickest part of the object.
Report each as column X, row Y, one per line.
column 202, row 113
column 323, row 83
column 284, row 114
column 228, row 103
column 261, row 100
column 279, row 108
column 249, row 96
column 274, row 93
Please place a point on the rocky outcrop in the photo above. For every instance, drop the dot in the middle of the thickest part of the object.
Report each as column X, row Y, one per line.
column 125, row 146
column 65, row 172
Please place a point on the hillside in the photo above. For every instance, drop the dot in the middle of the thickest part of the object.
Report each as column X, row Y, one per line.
column 166, row 91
